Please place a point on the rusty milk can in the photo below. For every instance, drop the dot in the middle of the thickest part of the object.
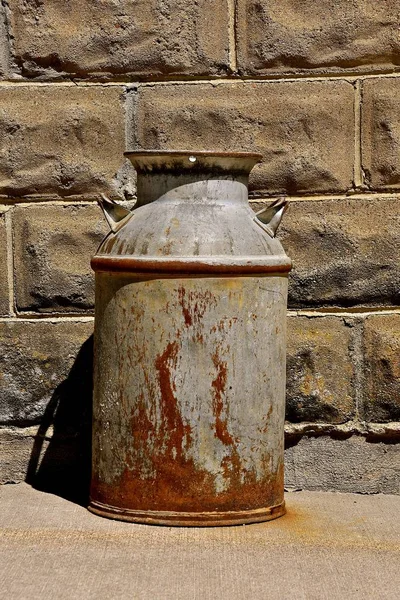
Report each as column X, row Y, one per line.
column 189, row 383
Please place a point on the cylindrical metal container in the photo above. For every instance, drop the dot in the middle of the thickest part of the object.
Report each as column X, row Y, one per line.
column 189, row 384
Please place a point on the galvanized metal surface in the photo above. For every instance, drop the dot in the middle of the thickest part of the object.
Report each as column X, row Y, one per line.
column 193, row 210
column 190, row 366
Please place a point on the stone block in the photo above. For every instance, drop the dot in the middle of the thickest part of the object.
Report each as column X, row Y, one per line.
column 4, row 300
column 345, row 252
column 60, row 140
column 290, row 37
column 381, row 389
column 381, row 133
column 53, row 246
column 343, row 465
column 320, row 372
column 15, row 451
column 305, row 130
column 119, row 38
column 46, row 372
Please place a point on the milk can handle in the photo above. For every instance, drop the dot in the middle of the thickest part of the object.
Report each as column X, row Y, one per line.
column 269, row 218
column 115, row 214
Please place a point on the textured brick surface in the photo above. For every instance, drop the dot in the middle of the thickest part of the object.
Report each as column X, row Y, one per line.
column 4, row 44
column 344, row 252
column 53, row 246
column 381, row 133
column 305, row 131
column 288, row 36
column 382, row 368
column 120, row 37
column 319, row 370
column 16, row 446
column 349, row 465
column 62, row 140
column 45, row 370
column 4, row 302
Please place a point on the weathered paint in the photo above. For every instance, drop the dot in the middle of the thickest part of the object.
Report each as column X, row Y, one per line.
column 189, row 377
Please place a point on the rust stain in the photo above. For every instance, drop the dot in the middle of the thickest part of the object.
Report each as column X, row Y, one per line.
column 185, row 310
column 224, row 323
column 174, row 432
column 142, row 430
column 231, row 464
column 218, row 384
column 195, row 303
column 267, row 419
column 181, row 486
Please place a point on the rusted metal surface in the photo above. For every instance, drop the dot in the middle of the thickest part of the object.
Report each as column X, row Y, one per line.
column 190, row 265
column 190, row 356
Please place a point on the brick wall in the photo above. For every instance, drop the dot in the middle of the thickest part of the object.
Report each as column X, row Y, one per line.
column 315, row 88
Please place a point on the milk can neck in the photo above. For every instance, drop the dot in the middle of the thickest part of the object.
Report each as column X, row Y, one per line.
column 199, row 188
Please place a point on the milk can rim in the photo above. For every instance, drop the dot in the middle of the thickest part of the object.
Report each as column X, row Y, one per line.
column 191, row 161
column 187, row 153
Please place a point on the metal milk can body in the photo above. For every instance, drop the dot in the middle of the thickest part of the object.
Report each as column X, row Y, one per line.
column 190, row 344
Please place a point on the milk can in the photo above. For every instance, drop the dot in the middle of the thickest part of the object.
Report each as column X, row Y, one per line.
column 190, row 326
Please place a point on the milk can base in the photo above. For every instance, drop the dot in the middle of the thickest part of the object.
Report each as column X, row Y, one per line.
column 188, row 519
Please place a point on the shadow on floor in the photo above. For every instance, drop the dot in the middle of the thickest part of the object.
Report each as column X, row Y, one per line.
column 60, row 462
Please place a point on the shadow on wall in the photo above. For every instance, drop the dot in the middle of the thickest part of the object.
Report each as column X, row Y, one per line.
column 60, row 463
